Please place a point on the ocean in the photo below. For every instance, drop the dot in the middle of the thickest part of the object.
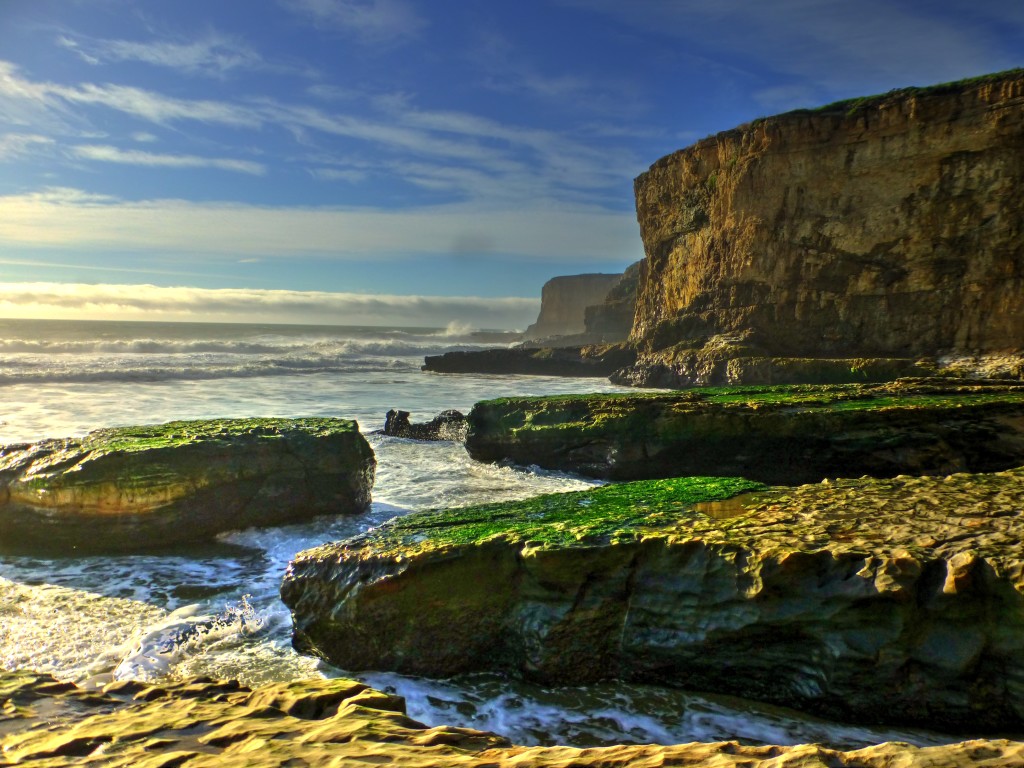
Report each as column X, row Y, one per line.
column 214, row 610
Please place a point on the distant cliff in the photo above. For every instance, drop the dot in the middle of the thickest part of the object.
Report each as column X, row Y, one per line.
column 563, row 303
column 890, row 226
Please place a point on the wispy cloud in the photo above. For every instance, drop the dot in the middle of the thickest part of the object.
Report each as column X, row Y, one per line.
column 350, row 175
column 372, row 21
column 212, row 55
column 14, row 145
column 108, row 154
column 75, row 300
column 69, row 218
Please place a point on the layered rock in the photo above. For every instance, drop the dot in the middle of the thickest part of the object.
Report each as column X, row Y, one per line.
column 130, row 488
column 564, row 301
column 611, row 321
column 782, row 434
column 895, row 601
column 200, row 722
column 881, row 227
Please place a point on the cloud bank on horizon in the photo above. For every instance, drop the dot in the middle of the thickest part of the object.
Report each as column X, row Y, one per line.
column 402, row 148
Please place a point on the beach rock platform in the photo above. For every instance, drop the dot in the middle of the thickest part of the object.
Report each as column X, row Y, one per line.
column 580, row 361
column 200, row 722
column 881, row 601
column 787, row 434
column 136, row 488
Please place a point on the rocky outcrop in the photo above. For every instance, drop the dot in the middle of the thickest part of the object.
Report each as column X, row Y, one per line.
column 447, row 425
column 611, row 321
column 880, row 601
column 782, row 434
column 132, row 488
column 543, row 361
column 882, row 227
column 564, row 300
column 200, row 722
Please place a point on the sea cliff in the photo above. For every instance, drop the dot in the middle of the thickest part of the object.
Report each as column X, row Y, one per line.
column 887, row 227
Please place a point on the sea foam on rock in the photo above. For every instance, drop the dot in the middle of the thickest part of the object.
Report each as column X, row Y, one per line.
column 895, row 602
column 134, row 488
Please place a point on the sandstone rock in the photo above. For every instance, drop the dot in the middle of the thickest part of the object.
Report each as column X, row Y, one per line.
column 132, row 488
column 547, row 361
column 200, row 722
column 611, row 321
column 780, row 434
column 879, row 227
column 895, row 601
column 564, row 300
column 447, row 425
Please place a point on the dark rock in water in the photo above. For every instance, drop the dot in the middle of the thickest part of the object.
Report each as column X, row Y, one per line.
column 135, row 488
column 447, row 425
column 781, row 434
column 895, row 601
column 208, row 724
column 546, row 361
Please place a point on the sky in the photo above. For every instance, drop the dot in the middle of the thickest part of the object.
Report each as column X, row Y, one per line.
column 409, row 162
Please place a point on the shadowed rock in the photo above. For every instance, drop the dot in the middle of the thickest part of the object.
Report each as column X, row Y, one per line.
column 134, row 488
column 447, row 425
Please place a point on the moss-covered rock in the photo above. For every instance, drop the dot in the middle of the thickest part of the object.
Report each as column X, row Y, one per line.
column 895, row 601
column 200, row 722
column 129, row 488
column 777, row 434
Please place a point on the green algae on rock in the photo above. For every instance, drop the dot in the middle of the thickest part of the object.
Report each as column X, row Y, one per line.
column 897, row 601
column 782, row 434
column 131, row 488
column 200, row 722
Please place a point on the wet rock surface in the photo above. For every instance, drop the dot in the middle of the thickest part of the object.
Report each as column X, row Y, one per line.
column 780, row 434
column 135, row 488
column 897, row 601
column 599, row 361
column 199, row 722
column 447, row 425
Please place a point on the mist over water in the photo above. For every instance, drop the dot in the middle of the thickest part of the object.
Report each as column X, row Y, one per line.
column 214, row 609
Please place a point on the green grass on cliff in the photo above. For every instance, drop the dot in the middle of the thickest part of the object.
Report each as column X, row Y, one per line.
column 563, row 519
column 177, row 433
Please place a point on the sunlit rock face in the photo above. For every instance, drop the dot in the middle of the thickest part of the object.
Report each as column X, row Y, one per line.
column 200, row 723
column 894, row 601
column 131, row 488
column 564, row 301
column 882, row 227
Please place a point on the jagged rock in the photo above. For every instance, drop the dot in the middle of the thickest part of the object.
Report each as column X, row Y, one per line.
column 564, row 300
column 199, row 722
column 881, row 227
column 133, row 488
column 896, row 601
column 447, row 425
column 782, row 434
column 547, row 361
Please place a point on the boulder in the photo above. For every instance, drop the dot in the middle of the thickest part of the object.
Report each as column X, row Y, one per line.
column 200, row 722
column 896, row 601
column 447, row 425
column 776, row 434
column 134, row 488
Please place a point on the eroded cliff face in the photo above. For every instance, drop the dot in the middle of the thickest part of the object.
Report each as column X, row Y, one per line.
column 889, row 226
column 564, row 301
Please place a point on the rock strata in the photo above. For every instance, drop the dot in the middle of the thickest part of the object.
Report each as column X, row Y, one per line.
column 133, row 488
column 881, row 227
column 200, row 723
column 897, row 601
column 777, row 434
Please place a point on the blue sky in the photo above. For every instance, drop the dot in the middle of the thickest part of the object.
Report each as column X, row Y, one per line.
column 391, row 160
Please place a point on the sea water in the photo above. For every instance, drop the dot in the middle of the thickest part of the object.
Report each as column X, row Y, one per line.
column 215, row 610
